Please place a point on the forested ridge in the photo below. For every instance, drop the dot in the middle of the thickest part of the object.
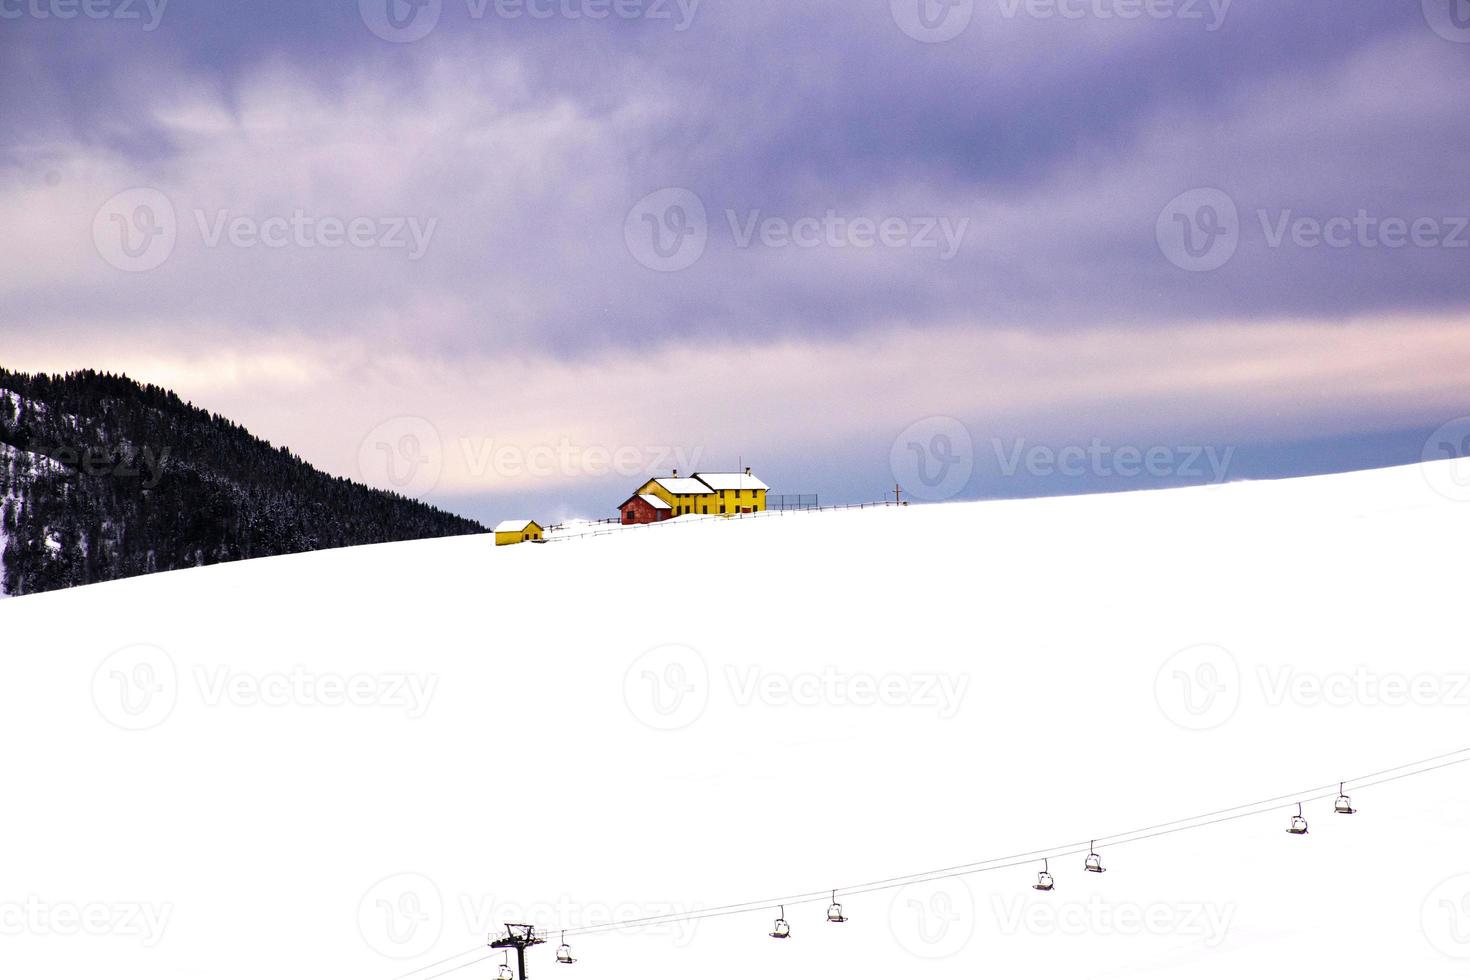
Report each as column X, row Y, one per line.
column 102, row 478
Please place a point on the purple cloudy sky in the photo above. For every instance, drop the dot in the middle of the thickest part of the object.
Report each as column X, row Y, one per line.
column 508, row 255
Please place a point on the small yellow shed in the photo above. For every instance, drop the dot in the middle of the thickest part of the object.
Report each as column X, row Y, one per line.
column 515, row 532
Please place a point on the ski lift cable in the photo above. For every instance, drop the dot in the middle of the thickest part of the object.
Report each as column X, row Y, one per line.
column 1291, row 797
column 453, row 969
column 962, row 872
column 1313, row 794
column 1316, row 798
column 1355, row 785
column 959, row 872
column 1407, row 765
column 447, row 959
column 1200, row 821
column 1064, row 850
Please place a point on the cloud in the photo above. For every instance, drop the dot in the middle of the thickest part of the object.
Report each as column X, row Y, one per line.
column 782, row 400
column 517, row 193
column 495, row 284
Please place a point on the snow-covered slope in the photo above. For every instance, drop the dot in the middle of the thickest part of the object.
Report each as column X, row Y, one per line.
column 357, row 763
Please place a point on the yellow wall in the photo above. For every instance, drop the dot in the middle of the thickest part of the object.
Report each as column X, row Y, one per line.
column 707, row 503
column 531, row 533
column 738, row 500
column 683, row 503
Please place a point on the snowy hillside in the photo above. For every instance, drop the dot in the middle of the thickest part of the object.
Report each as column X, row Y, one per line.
column 356, row 763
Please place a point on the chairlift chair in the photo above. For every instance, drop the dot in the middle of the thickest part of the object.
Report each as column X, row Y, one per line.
column 834, row 911
column 564, row 952
column 1344, row 802
column 782, row 928
column 506, row 973
column 1044, row 882
column 1094, row 862
column 1298, row 822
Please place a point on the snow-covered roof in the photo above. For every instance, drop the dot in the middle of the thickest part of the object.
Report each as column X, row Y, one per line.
column 731, row 481
column 513, row 527
column 657, row 503
column 682, row 485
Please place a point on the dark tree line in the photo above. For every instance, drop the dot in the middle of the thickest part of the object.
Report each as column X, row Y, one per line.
column 102, row 477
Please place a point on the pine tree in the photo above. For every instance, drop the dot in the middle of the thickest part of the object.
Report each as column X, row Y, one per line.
column 142, row 481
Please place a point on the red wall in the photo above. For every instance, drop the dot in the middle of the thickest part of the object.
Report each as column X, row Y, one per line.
column 643, row 512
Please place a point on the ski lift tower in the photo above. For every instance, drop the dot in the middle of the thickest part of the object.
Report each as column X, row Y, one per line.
column 518, row 937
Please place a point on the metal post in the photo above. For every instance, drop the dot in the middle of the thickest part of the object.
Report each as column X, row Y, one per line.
column 518, row 936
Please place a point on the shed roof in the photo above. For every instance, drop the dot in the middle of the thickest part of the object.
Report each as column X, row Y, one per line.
column 657, row 503
column 515, row 527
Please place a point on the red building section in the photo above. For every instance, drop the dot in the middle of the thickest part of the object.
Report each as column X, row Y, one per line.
column 644, row 508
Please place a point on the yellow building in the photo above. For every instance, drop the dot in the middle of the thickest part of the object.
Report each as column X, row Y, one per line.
column 709, row 493
column 735, row 493
column 515, row 532
column 684, row 494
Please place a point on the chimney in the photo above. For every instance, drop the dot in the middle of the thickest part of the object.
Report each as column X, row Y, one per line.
column 676, row 474
column 747, row 471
